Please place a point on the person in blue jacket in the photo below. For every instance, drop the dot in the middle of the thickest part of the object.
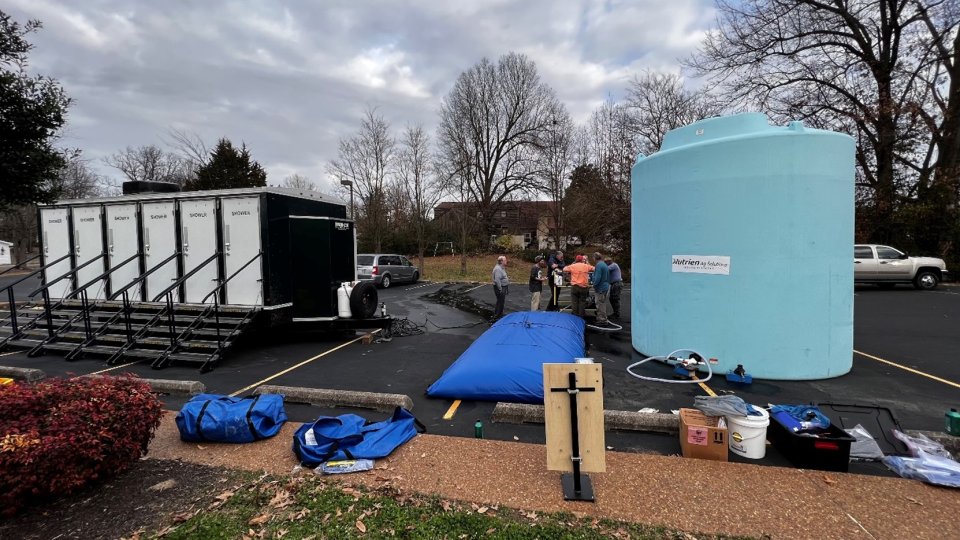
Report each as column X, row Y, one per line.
column 601, row 287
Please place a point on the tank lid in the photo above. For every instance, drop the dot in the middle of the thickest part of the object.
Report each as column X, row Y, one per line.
column 716, row 128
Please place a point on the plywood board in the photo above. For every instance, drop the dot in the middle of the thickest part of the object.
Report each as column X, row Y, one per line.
column 589, row 413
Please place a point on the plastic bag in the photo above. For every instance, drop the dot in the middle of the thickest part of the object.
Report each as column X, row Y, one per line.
column 724, row 406
column 921, row 442
column 800, row 418
column 346, row 466
column 864, row 446
column 936, row 470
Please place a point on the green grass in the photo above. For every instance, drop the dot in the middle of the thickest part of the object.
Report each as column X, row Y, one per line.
column 479, row 268
column 308, row 508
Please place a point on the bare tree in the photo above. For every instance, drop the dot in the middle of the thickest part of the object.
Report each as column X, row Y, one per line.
column 298, row 181
column 659, row 103
column 150, row 164
column 419, row 182
column 556, row 160
column 365, row 160
column 77, row 181
column 496, row 117
column 862, row 66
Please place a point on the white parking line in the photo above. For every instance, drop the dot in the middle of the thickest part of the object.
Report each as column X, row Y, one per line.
column 475, row 288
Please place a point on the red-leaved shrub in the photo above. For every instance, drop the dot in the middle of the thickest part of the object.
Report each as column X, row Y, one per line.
column 58, row 435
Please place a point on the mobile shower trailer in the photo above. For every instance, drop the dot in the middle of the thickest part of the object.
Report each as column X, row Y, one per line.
column 278, row 250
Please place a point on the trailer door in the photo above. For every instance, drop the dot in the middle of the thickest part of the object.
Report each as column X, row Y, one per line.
column 159, row 243
column 55, row 235
column 198, row 241
column 241, row 243
column 122, row 243
column 88, row 245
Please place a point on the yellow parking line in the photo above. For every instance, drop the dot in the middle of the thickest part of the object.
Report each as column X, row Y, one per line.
column 703, row 385
column 305, row 362
column 910, row 369
column 121, row 366
column 452, row 410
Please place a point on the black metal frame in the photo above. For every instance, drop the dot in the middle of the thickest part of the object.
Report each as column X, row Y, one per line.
column 12, row 303
column 176, row 343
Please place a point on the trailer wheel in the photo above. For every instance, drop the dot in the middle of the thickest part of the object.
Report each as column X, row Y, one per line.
column 363, row 300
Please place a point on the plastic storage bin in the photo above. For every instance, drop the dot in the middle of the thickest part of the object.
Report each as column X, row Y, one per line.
column 828, row 451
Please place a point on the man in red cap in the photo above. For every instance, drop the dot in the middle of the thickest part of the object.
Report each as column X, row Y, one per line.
column 579, row 284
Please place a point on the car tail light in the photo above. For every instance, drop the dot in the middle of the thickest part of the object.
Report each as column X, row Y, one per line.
column 374, row 271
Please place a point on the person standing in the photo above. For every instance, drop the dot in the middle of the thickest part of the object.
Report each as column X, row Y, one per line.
column 556, row 264
column 601, row 287
column 537, row 277
column 616, row 286
column 579, row 284
column 501, row 285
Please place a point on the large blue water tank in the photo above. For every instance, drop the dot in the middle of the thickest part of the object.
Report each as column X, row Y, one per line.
column 742, row 247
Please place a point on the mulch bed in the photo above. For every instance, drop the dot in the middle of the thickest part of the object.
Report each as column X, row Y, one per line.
column 123, row 505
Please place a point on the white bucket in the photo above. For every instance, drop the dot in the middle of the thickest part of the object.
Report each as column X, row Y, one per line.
column 748, row 434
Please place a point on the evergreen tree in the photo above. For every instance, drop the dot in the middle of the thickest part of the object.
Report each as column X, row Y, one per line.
column 228, row 167
column 32, row 112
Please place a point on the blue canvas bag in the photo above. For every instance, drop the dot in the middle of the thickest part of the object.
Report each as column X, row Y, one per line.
column 216, row 418
column 348, row 436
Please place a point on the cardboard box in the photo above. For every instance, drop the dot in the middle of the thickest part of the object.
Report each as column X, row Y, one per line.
column 700, row 437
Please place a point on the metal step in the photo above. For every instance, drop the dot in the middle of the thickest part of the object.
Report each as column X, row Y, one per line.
column 194, row 358
column 24, row 343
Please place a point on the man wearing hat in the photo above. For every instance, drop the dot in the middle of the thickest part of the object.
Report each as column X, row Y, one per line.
column 579, row 284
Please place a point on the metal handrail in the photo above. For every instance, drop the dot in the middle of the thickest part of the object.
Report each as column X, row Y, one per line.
column 103, row 275
column 35, row 272
column 18, row 265
column 12, row 302
column 143, row 276
column 70, row 273
column 221, row 285
column 186, row 276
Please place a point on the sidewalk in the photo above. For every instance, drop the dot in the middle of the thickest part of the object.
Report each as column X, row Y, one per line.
column 688, row 494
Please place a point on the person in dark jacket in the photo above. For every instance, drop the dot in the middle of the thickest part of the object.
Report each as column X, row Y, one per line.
column 616, row 286
column 556, row 264
column 538, row 274
column 601, row 287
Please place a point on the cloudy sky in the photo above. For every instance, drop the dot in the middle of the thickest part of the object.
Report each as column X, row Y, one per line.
column 291, row 78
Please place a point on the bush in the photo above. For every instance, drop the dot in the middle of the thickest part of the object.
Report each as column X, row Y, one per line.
column 58, row 436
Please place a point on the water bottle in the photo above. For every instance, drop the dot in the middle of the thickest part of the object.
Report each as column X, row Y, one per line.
column 478, row 430
column 952, row 422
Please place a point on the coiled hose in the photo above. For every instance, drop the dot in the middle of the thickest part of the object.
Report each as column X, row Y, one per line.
column 672, row 357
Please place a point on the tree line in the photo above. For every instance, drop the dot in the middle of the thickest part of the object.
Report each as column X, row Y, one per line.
column 887, row 72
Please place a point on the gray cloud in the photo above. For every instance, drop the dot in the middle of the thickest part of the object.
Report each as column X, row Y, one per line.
column 290, row 78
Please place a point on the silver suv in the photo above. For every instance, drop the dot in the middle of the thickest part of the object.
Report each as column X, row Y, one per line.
column 887, row 266
column 386, row 269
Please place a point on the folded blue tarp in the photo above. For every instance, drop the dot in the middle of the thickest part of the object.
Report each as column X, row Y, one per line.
column 505, row 363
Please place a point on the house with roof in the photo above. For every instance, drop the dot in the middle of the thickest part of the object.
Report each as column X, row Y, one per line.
column 529, row 224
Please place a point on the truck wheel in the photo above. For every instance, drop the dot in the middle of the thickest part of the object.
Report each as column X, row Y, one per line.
column 385, row 282
column 926, row 280
column 363, row 300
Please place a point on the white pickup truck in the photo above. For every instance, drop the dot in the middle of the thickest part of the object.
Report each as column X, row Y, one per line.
column 887, row 266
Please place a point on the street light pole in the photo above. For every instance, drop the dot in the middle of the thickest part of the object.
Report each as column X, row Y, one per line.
column 349, row 184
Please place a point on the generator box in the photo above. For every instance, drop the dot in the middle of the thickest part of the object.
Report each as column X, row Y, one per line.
column 701, row 436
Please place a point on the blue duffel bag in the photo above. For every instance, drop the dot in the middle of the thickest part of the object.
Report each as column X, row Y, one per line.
column 348, row 436
column 216, row 418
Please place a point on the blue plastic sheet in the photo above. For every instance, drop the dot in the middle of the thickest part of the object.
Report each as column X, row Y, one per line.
column 506, row 362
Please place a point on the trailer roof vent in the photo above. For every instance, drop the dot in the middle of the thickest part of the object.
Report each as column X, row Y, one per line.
column 141, row 186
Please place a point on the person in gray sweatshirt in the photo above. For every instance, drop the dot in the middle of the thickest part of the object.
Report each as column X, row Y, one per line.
column 501, row 285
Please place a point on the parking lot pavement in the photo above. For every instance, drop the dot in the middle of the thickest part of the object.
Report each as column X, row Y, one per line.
column 913, row 328
column 21, row 290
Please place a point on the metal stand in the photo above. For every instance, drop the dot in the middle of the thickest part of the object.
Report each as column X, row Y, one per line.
column 576, row 486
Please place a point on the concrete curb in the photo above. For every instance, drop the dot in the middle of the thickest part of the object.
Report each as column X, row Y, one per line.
column 22, row 374
column 324, row 397
column 515, row 413
column 950, row 442
column 169, row 386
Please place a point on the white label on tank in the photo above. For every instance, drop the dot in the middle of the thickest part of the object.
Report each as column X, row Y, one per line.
column 702, row 264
